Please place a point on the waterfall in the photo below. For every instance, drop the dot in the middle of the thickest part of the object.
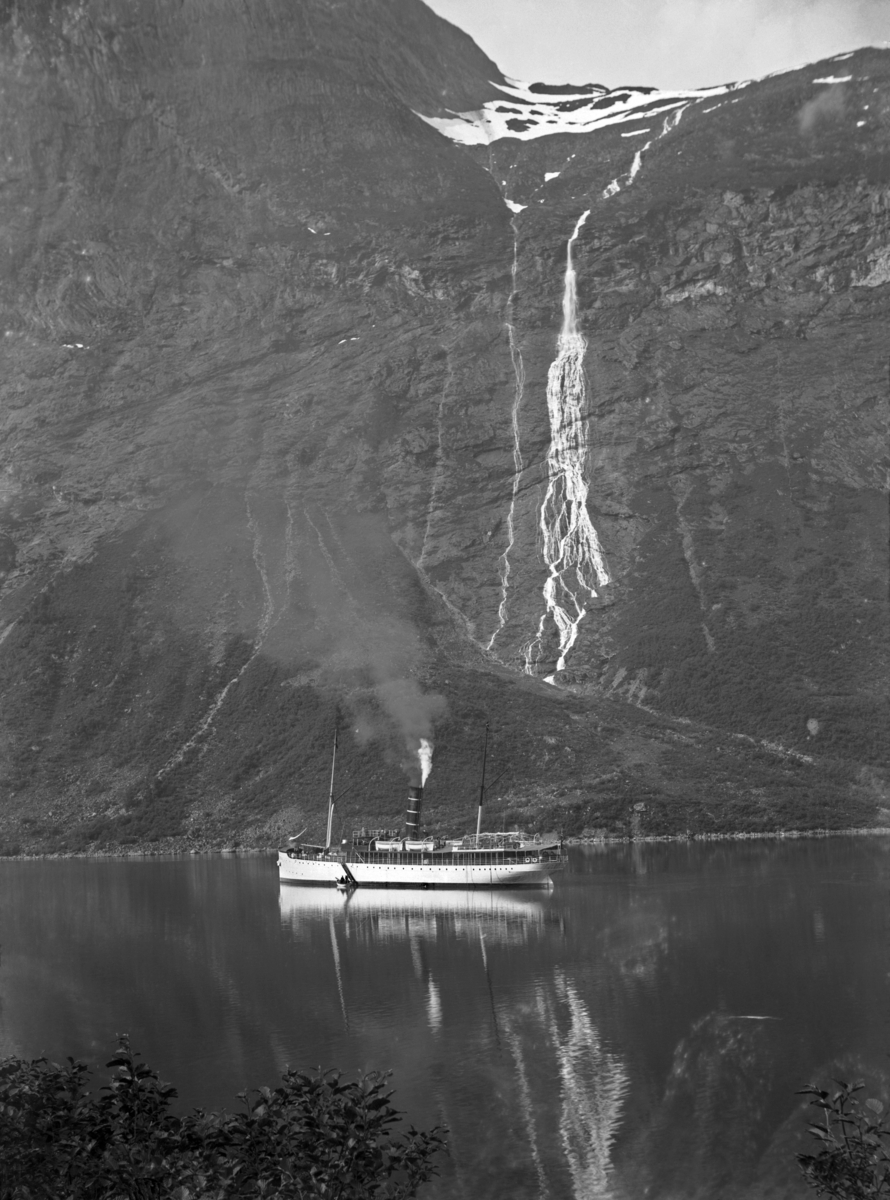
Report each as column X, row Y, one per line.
column 571, row 547
column 518, row 467
column 670, row 122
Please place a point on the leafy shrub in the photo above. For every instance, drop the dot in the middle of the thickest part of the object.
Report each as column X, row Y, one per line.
column 852, row 1162
column 313, row 1136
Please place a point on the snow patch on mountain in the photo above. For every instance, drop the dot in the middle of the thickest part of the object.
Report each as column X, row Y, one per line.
column 528, row 111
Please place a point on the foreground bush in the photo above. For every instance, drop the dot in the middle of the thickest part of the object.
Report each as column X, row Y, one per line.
column 852, row 1162
column 313, row 1136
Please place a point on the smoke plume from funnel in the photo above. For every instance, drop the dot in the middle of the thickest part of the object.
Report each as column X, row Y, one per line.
column 413, row 712
column 425, row 755
column 364, row 639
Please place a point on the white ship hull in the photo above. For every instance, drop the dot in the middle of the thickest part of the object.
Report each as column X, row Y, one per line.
column 534, row 873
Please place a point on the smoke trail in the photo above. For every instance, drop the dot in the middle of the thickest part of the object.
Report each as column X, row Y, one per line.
column 363, row 639
column 413, row 712
column 571, row 547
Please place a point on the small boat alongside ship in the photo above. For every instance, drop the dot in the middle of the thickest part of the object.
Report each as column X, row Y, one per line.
column 393, row 858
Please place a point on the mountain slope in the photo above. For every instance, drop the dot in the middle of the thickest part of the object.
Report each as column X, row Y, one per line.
column 274, row 411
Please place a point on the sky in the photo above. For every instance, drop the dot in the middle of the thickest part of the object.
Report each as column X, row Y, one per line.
column 664, row 43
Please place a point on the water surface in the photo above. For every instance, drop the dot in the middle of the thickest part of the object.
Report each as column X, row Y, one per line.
column 639, row 1031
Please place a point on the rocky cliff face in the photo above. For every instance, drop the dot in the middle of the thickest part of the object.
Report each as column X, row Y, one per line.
column 276, row 439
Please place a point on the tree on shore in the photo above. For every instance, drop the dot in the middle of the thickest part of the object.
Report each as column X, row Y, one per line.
column 313, row 1136
column 852, row 1161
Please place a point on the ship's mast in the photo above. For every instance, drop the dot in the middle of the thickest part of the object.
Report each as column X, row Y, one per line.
column 327, row 840
column 482, row 783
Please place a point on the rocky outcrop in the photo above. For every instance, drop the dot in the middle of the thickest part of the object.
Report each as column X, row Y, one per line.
column 274, row 412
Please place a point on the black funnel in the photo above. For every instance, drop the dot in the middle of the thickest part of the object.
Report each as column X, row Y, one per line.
column 412, row 817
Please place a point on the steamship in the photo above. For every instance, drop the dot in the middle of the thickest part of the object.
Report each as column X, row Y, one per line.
column 388, row 858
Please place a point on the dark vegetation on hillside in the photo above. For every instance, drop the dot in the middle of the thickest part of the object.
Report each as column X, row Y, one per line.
column 600, row 768
column 107, row 695
column 738, row 659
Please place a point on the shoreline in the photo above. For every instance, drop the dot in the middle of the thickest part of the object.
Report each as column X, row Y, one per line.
column 623, row 840
column 756, row 835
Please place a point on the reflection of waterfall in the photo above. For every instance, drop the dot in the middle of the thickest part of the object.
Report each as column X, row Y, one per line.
column 572, row 549
column 527, row 1110
column 592, row 1083
column 593, row 1086
column 440, row 991
column 433, row 1005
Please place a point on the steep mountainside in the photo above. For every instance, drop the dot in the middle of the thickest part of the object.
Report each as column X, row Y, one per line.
column 281, row 290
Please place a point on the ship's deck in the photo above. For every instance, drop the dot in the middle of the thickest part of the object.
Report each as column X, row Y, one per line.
column 438, row 858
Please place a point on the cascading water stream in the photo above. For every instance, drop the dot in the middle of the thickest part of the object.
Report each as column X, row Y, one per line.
column 518, row 467
column 570, row 545
column 571, row 548
column 670, row 122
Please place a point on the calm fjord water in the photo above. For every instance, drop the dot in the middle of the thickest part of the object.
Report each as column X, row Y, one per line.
column 639, row 1031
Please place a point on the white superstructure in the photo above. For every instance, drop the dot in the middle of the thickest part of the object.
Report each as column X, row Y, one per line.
column 528, row 864
column 388, row 858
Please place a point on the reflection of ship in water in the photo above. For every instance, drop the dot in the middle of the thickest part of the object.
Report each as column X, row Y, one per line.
column 503, row 917
column 490, row 1048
